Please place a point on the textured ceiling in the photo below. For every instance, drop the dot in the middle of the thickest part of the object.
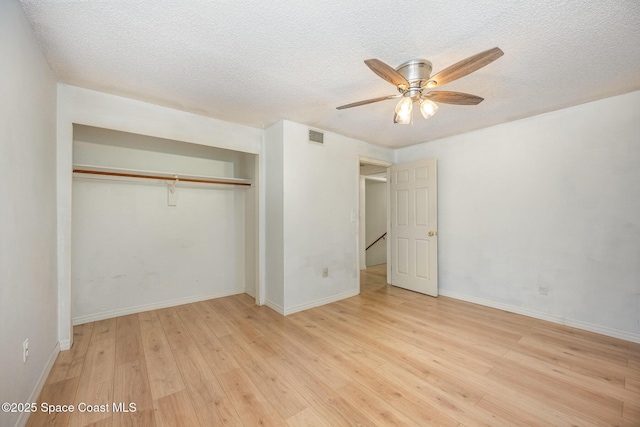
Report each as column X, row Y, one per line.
column 256, row 62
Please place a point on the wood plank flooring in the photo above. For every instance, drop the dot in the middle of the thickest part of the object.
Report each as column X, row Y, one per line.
column 386, row 357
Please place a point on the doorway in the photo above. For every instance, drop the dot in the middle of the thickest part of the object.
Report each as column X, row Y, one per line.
column 373, row 208
column 410, row 223
column 375, row 221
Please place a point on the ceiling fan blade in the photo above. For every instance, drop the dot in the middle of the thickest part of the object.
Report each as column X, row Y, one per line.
column 457, row 98
column 464, row 67
column 367, row 101
column 387, row 72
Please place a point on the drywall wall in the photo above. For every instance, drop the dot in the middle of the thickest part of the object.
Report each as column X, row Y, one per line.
column 274, row 217
column 106, row 147
column 362, row 223
column 127, row 240
column 376, row 221
column 548, row 203
column 27, row 213
column 131, row 251
column 247, row 200
column 319, row 214
column 86, row 107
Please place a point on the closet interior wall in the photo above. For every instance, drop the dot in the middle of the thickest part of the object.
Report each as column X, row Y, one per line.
column 138, row 245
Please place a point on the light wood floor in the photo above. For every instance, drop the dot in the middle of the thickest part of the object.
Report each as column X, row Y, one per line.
column 385, row 357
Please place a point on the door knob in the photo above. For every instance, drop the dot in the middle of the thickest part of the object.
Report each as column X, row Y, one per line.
column 433, row 233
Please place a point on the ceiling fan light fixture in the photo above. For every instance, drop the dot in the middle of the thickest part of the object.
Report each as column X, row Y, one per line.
column 428, row 108
column 403, row 110
column 403, row 120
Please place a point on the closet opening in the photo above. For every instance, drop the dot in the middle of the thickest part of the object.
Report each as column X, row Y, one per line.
column 158, row 223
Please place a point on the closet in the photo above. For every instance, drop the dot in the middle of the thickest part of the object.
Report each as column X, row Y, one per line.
column 158, row 222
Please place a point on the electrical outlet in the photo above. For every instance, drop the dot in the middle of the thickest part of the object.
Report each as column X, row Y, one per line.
column 25, row 350
column 325, row 272
column 543, row 290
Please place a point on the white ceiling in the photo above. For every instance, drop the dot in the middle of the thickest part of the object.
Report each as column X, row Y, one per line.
column 254, row 62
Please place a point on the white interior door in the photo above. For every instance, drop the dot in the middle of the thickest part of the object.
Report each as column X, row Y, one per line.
column 414, row 226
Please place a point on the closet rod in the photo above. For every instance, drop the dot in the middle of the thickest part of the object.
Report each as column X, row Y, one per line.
column 166, row 177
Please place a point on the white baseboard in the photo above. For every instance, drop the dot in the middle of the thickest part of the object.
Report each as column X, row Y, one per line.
column 35, row 393
column 315, row 303
column 65, row 345
column 603, row 330
column 154, row 306
column 319, row 302
column 276, row 307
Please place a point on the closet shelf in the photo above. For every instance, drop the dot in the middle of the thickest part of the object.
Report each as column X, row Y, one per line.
column 101, row 172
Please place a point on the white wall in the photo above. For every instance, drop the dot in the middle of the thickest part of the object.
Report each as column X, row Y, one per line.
column 105, row 147
column 27, row 213
column 247, row 200
column 319, row 210
column 131, row 251
column 550, row 201
column 86, row 107
column 127, row 240
column 362, row 226
column 274, row 217
column 376, row 221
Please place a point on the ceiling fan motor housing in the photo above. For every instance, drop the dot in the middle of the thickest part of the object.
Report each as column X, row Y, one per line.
column 417, row 73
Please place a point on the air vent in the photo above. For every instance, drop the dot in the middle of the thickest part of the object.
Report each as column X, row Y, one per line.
column 315, row 136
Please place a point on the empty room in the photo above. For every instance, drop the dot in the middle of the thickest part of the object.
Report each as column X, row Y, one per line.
column 415, row 213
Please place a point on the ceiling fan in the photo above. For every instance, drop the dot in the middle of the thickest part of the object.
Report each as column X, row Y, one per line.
column 412, row 79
